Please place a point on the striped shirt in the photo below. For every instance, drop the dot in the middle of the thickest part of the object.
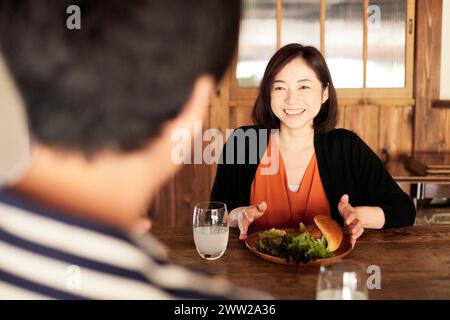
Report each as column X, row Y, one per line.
column 48, row 254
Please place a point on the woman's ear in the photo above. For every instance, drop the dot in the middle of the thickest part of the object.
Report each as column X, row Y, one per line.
column 325, row 95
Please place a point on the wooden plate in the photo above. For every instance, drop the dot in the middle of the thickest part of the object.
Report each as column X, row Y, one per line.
column 339, row 254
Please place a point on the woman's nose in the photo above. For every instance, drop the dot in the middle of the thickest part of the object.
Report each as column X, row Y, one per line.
column 291, row 98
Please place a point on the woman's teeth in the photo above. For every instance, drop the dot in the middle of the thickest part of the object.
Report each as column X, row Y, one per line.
column 294, row 112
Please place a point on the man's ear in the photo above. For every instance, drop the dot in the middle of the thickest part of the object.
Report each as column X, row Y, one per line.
column 197, row 104
column 160, row 150
column 14, row 137
column 325, row 95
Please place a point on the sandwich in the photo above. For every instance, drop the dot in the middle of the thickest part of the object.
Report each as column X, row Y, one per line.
column 328, row 228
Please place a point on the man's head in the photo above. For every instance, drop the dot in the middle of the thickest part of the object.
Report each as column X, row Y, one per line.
column 114, row 83
column 113, row 91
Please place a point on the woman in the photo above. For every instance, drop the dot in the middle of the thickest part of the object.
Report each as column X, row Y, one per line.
column 321, row 170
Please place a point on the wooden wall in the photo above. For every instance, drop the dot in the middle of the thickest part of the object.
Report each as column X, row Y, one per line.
column 173, row 205
column 392, row 128
column 432, row 125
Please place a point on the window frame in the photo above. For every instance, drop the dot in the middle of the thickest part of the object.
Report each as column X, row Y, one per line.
column 365, row 95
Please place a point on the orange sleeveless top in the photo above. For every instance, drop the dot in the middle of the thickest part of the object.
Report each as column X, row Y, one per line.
column 285, row 208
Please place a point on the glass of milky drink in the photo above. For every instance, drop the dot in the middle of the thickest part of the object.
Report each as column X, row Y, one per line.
column 210, row 226
column 345, row 280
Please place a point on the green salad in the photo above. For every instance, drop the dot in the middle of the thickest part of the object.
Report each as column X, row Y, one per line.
column 299, row 248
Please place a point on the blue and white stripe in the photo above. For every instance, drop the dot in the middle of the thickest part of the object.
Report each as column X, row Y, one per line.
column 38, row 246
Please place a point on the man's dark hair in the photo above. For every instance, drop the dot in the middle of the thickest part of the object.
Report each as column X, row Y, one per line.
column 114, row 82
column 263, row 115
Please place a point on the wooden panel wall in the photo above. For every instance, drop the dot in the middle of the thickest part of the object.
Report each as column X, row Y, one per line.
column 173, row 204
column 432, row 126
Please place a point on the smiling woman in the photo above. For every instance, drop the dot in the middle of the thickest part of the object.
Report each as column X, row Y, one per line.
column 337, row 174
column 298, row 74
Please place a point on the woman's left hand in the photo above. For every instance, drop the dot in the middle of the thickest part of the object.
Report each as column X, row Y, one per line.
column 353, row 224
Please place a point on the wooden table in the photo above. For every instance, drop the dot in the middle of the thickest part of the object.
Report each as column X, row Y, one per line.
column 414, row 263
column 400, row 174
column 422, row 186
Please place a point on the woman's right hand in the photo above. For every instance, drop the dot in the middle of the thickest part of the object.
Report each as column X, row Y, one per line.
column 242, row 217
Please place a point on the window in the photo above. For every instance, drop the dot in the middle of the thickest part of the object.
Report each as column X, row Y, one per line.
column 368, row 44
column 257, row 41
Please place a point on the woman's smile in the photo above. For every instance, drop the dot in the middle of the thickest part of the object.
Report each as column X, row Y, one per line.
column 294, row 113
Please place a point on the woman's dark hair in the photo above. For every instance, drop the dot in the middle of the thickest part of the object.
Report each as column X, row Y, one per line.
column 263, row 115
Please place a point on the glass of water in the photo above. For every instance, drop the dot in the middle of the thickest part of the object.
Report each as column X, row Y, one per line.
column 345, row 280
column 210, row 226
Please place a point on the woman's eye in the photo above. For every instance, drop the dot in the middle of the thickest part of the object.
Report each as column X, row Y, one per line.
column 304, row 87
column 278, row 88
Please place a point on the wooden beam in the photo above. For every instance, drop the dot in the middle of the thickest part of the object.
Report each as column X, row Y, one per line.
column 409, row 50
column 323, row 13
column 279, row 15
column 441, row 104
column 365, row 31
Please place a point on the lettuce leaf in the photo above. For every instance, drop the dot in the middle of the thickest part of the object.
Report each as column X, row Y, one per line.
column 298, row 248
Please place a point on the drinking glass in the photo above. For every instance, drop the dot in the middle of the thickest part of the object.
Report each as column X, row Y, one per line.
column 344, row 280
column 210, row 227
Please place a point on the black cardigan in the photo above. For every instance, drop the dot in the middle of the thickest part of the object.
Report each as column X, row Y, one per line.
column 346, row 166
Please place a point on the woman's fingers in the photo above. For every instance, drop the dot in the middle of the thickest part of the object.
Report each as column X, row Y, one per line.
column 248, row 215
column 345, row 208
column 343, row 202
column 245, row 218
column 262, row 206
column 355, row 231
column 356, row 237
column 354, row 225
column 349, row 219
column 255, row 211
column 355, row 228
column 260, row 210
column 353, row 242
column 243, row 227
column 345, row 199
column 358, row 233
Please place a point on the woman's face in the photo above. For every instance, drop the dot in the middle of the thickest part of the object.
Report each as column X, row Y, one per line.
column 297, row 95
